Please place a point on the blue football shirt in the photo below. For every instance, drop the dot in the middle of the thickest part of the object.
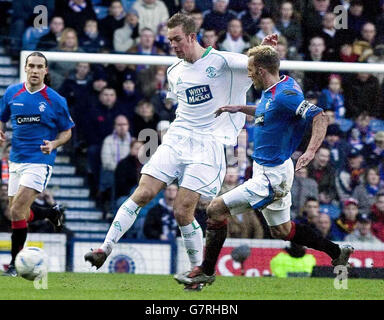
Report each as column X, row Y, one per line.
column 281, row 119
column 35, row 116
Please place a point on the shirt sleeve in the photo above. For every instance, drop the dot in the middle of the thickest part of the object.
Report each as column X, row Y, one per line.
column 293, row 101
column 170, row 93
column 238, row 63
column 5, row 111
column 64, row 119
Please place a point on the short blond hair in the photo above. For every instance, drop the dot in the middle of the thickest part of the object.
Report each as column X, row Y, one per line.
column 265, row 57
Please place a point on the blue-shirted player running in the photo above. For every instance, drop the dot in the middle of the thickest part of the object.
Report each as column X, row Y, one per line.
column 281, row 118
column 40, row 123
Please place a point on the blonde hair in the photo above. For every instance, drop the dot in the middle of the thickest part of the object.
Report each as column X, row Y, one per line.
column 265, row 57
column 63, row 38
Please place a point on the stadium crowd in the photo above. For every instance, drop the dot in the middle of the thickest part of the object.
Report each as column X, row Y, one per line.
column 340, row 194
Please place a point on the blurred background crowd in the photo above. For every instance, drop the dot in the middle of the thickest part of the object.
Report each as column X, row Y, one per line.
column 340, row 194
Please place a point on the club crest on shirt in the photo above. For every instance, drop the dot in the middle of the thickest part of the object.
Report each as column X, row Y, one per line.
column 42, row 106
column 211, row 72
column 267, row 104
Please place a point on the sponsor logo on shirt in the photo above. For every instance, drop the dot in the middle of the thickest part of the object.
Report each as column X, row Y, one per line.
column 198, row 94
column 259, row 120
column 28, row 119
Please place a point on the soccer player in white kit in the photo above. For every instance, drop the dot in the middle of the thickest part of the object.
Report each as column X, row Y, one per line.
column 193, row 148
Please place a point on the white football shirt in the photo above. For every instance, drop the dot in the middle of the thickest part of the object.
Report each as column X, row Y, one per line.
column 217, row 79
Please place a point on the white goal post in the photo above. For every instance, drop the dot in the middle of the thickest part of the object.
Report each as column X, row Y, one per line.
column 168, row 60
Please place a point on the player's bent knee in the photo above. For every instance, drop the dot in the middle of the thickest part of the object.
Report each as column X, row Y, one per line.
column 217, row 210
column 17, row 212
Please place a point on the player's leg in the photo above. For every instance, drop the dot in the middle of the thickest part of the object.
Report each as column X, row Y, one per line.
column 191, row 233
column 126, row 215
column 282, row 228
column 20, row 210
column 232, row 202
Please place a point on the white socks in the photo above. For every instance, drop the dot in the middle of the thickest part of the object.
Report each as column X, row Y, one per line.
column 193, row 242
column 124, row 219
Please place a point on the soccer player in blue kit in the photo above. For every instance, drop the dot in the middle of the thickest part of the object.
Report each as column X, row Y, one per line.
column 40, row 124
column 281, row 118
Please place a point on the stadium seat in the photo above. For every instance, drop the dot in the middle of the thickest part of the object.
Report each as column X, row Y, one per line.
column 376, row 125
column 101, row 12
column 31, row 37
column 345, row 124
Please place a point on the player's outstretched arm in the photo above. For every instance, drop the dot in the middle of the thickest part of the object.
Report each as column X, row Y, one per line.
column 62, row 138
column 250, row 110
column 319, row 129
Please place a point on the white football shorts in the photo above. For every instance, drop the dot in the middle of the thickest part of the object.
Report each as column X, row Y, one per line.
column 269, row 190
column 31, row 175
column 197, row 161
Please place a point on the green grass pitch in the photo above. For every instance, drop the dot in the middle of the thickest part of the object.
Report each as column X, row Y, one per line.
column 94, row 286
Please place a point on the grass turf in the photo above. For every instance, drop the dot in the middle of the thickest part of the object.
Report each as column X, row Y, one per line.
column 96, row 286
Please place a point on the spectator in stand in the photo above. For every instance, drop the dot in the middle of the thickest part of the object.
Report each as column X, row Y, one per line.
column 219, row 17
column 346, row 223
column 113, row 21
column 161, row 39
column 321, row 170
column 267, row 27
column 315, row 81
column 361, row 133
column 117, row 73
column 351, row 175
column 75, row 13
column 374, row 152
column 209, row 39
column 151, row 81
column 378, row 57
column 145, row 117
column 356, row 18
column 364, row 44
column 302, row 188
column 337, row 145
column 288, row 24
column 333, row 37
column 324, row 224
column 292, row 263
column 198, row 18
column 245, row 225
column 100, row 123
column 362, row 93
column 116, row 146
column 346, row 53
column 332, row 98
column 130, row 96
column 151, row 13
column 309, row 213
column 73, row 89
column 99, row 82
column 127, row 173
column 160, row 222
column 234, row 39
column 365, row 193
column 125, row 38
column 251, row 18
column 146, row 46
column 363, row 232
column 59, row 71
column 51, row 39
column 377, row 216
column 313, row 14
column 91, row 40
column 187, row 6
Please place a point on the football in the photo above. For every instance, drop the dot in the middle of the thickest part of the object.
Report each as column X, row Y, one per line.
column 31, row 263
